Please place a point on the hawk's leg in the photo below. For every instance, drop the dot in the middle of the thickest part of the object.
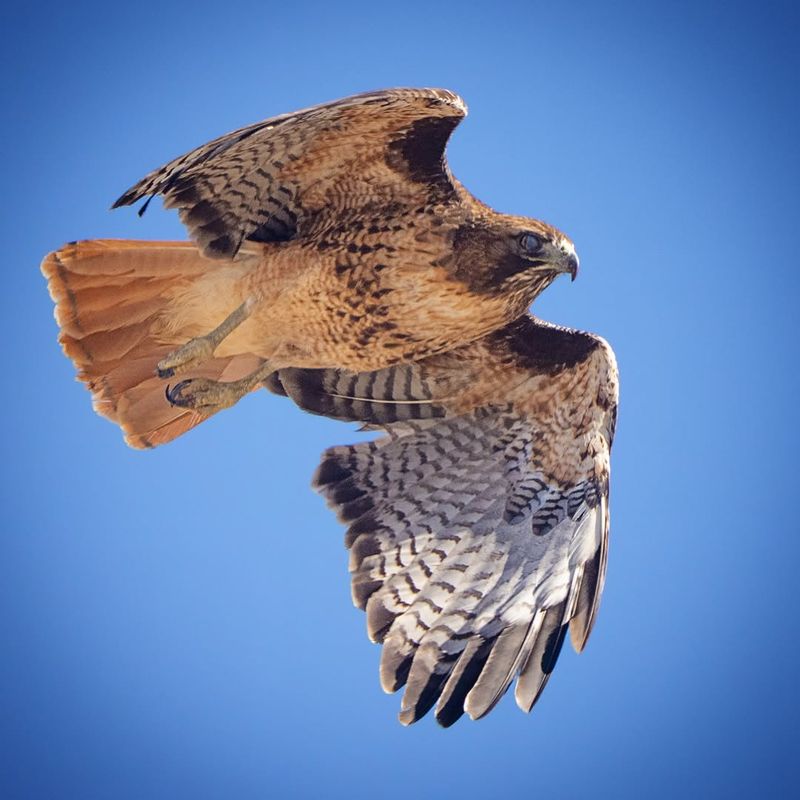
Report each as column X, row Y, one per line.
column 210, row 396
column 201, row 348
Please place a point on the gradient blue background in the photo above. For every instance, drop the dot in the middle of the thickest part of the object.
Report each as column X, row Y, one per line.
column 178, row 623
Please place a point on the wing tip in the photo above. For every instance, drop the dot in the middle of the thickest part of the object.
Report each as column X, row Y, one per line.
column 579, row 635
column 129, row 196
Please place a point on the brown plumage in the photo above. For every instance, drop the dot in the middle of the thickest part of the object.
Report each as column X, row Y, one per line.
column 338, row 262
column 342, row 229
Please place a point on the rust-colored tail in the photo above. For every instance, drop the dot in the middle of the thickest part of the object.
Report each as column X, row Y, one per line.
column 113, row 303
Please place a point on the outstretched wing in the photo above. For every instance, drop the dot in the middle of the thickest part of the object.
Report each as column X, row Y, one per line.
column 280, row 178
column 478, row 527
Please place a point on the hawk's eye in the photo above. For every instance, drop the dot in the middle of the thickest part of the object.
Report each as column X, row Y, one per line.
column 531, row 244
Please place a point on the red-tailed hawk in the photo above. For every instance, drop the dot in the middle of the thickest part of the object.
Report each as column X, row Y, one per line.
column 337, row 261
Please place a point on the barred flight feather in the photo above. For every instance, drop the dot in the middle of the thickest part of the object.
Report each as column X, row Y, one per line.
column 395, row 394
column 465, row 587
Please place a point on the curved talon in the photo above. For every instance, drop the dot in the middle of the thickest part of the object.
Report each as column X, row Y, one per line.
column 174, row 395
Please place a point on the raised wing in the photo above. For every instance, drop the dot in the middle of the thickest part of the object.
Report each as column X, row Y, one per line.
column 478, row 528
column 283, row 177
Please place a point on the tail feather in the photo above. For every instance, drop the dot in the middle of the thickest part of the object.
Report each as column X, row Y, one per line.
column 112, row 297
column 97, row 316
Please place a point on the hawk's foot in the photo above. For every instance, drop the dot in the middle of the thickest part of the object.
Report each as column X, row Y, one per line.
column 194, row 352
column 202, row 394
column 208, row 396
column 201, row 348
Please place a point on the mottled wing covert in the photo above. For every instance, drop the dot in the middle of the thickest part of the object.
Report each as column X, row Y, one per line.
column 478, row 528
column 288, row 175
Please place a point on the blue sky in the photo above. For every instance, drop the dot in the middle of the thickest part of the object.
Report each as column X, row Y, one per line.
column 177, row 623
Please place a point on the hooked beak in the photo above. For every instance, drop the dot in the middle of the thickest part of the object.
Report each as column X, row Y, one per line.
column 572, row 265
column 569, row 259
column 560, row 258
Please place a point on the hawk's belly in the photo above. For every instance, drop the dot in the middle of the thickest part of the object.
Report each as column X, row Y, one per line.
column 368, row 319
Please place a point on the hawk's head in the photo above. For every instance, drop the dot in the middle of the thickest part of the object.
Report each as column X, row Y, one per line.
column 513, row 254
